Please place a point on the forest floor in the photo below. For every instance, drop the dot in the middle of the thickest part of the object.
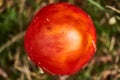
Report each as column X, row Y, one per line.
column 15, row 16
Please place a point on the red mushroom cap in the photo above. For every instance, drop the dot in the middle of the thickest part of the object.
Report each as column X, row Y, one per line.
column 61, row 39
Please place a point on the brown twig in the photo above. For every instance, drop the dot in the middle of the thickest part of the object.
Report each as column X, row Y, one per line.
column 14, row 39
column 20, row 13
column 114, row 9
column 24, row 69
column 3, row 74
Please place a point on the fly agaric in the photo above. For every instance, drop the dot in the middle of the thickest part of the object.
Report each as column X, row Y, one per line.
column 61, row 39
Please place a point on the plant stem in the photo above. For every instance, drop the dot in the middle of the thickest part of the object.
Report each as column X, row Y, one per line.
column 64, row 77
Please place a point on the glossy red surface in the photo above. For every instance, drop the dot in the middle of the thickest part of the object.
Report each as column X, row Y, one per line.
column 61, row 39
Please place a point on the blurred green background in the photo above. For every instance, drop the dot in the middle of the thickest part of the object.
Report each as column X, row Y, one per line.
column 15, row 16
